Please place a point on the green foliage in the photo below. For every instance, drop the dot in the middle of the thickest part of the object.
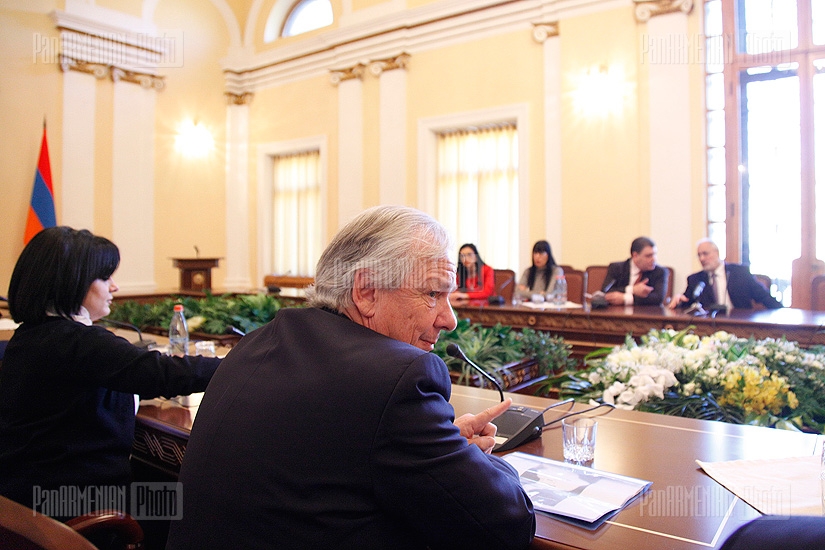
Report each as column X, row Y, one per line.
column 551, row 353
column 493, row 347
column 210, row 314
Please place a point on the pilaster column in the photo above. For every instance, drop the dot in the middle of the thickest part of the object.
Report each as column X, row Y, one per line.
column 350, row 141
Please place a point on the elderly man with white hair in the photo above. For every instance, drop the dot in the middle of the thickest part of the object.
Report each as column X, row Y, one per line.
column 330, row 427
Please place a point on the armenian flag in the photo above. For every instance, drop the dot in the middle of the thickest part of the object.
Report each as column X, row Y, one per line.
column 41, row 210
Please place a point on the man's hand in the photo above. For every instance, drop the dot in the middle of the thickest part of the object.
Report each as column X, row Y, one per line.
column 680, row 299
column 642, row 289
column 479, row 429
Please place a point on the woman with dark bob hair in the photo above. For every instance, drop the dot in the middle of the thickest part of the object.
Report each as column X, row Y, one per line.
column 475, row 279
column 68, row 388
column 539, row 278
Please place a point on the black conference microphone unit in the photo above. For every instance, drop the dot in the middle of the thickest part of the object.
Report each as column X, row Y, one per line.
column 598, row 301
column 517, row 424
column 696, row 308
column 141, row 343
column 498, row 299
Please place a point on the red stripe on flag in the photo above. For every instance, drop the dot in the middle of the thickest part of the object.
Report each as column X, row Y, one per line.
column 41, row 208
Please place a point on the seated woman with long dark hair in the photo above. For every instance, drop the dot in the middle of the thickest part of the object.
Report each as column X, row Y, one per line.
column 475, row 279
column 68, row 387
column 539, row 278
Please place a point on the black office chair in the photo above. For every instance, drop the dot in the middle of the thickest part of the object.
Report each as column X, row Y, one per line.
column 779, row 533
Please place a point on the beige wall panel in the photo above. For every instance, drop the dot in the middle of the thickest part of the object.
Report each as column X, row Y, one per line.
column 606, row 199
column 496, row 71
column 292, row 111
column 30, row 89
column 189, row 192
column 372, row 137
column 104, row 109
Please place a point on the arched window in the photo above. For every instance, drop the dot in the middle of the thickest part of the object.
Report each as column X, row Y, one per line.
column 304, row 16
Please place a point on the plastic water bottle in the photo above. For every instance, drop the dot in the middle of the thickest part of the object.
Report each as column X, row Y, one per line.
column 560, row 291
column 178, row 333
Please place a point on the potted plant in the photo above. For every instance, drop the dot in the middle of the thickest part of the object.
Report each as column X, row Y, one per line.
column 514, row 358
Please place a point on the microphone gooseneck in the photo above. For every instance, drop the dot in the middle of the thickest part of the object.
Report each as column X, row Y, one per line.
column 454, row 351
column 141, row 343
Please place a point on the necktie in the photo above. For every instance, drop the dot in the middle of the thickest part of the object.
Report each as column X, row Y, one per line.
column 713, row 287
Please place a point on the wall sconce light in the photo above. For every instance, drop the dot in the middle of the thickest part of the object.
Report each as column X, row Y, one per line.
column 194, row 140
column 600, row 91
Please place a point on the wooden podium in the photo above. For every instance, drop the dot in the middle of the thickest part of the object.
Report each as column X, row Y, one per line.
column 195, row 273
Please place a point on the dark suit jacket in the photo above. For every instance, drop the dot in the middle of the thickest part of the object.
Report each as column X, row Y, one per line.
column 779, row 533
column 317, row 432
column 743, row 289
column 619, row 274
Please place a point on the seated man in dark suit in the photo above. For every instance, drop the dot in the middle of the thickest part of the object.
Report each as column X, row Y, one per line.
column 721, row 285
column 331, row 427
column 638, row 280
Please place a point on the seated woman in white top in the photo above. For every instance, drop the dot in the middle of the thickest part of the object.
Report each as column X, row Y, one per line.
column 539, row 278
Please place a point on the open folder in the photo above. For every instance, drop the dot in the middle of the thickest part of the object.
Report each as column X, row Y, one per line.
column 577, row 494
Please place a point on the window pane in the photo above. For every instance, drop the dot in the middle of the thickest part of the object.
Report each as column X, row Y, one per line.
column 771, row 182
column 716, row 166
column 769, row 26
column 308, row 16
column 819, row 148
column 818, row 21
column 715, row 94
column 716, row 203
column 716, row 129
column 716, row 233
column 715, row 54
column 713, row 18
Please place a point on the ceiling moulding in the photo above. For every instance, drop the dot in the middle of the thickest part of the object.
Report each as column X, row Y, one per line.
column 101, row 49
column 412, row 31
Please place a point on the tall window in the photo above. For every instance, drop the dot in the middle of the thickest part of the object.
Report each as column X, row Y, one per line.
column 765, row 99
column 296, row 213
column 477, row 190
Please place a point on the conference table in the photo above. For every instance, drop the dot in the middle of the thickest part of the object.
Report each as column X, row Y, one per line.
column 587, row 329
column 683, row 509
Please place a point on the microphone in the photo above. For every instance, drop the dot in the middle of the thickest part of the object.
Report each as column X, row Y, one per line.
column 454, row 351
column 696, row 306
column 498, row 299
column 598, row 300
column 234, row 330
column 517, row 424
column 141, row 343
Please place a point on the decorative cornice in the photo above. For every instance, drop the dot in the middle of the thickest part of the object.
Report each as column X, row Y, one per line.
column 101, row 71
column 239, row 99
column 339, row 75
column 645, row 9
column 382, row 65
column 91, row 44
column 543, row 31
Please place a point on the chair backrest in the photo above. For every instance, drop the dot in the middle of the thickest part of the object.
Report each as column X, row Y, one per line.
column 764, row 280
column 576, row 281
column 22, row 529
column 567, row 268
column 669, row 289
column 818, row 293
column 595, row 277
column 505, row 284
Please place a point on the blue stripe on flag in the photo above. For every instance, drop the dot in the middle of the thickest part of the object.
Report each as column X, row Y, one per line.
column 43, row 202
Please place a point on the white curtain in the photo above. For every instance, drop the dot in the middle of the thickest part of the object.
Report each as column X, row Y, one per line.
column 477, row 190
column 296, row 213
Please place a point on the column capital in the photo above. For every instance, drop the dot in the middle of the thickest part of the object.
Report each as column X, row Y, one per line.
column 645, row 9
column 379, row 66
column 350, row 73
column 543, row 31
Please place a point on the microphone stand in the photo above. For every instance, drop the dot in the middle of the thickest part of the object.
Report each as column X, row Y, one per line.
column 141, row 343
